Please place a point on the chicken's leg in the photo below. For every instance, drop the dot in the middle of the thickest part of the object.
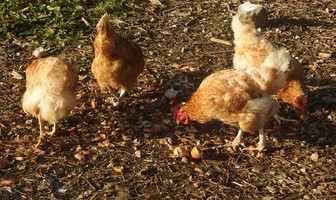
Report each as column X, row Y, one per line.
column 262, row 140
column 43, row 132
column 115, row 97
column 122, row 94
column 237, row 140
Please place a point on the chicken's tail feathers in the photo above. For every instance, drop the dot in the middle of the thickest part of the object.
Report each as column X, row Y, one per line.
column 278, row 60
column 104, row 26
column 271, row 76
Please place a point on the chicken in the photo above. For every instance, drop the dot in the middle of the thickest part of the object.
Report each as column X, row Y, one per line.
column 117, row 62
column 239, row 97
column 251, row 49
column 50, row 92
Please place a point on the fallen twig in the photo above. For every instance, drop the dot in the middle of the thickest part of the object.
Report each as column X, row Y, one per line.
column 221, row 41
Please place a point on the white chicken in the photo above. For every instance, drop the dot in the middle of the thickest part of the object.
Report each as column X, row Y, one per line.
column 50, row 92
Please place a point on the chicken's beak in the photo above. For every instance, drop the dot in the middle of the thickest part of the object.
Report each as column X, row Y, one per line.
column 303, row 102
column 300, row 102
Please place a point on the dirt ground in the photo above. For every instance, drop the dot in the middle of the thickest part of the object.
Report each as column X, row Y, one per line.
column 127, row 153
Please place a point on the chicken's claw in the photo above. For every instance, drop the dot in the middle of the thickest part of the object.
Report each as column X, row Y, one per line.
column 262, row 142
column 261, row 146
column 236, row 142
column 278, row 118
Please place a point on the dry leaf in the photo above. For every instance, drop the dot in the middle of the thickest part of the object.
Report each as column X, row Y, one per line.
column 79, row 156
column 6, row 182
column 118, row 169
column 166, row 121
column 93, row 103
column 70, row 161
column 3, row 164
column 104, row 144
column 180, row 152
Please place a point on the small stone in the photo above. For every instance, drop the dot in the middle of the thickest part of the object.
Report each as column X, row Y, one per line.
column 29, row 121
column 137, row 154
column 171, row 93
column 196, row 153
column 39, row 52
column 156, row 2
column 314, row 157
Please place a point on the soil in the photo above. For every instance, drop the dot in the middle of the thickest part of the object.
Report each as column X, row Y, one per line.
column 101, row 152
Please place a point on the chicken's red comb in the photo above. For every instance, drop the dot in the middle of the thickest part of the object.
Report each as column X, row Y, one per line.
column 175, row 111
column 172, row 101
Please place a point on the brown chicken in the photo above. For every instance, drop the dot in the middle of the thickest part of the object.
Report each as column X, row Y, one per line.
column 117, row 62
column 239, row 97
column 251, row 49
column 50, row 92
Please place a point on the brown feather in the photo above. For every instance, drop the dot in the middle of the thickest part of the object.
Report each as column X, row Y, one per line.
column 118, row 62
column 50, row 89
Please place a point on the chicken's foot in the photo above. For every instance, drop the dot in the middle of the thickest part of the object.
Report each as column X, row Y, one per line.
column 43, row 132
column 117, row 99
column 237, row 140
column 278, row 118
column 261, row 144
column 122, row 94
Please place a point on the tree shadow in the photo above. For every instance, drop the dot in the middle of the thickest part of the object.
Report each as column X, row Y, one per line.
column 323, row 98
column 277, row 22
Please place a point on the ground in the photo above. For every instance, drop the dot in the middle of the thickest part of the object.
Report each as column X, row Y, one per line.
column 127, row 153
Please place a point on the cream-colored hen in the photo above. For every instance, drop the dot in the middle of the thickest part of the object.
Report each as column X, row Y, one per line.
column 50, row 92
column 251, row 49
column 239, row 97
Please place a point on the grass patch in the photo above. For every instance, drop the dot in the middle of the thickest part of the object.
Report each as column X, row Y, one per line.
column 55, row 24
column 221, row 27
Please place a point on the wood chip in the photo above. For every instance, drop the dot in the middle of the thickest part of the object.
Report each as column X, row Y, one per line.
column 225, row 42
column 16, row 75
column 324, row 55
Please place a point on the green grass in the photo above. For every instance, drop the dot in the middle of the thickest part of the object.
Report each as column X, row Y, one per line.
column 221, row 27
column 56, row 23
